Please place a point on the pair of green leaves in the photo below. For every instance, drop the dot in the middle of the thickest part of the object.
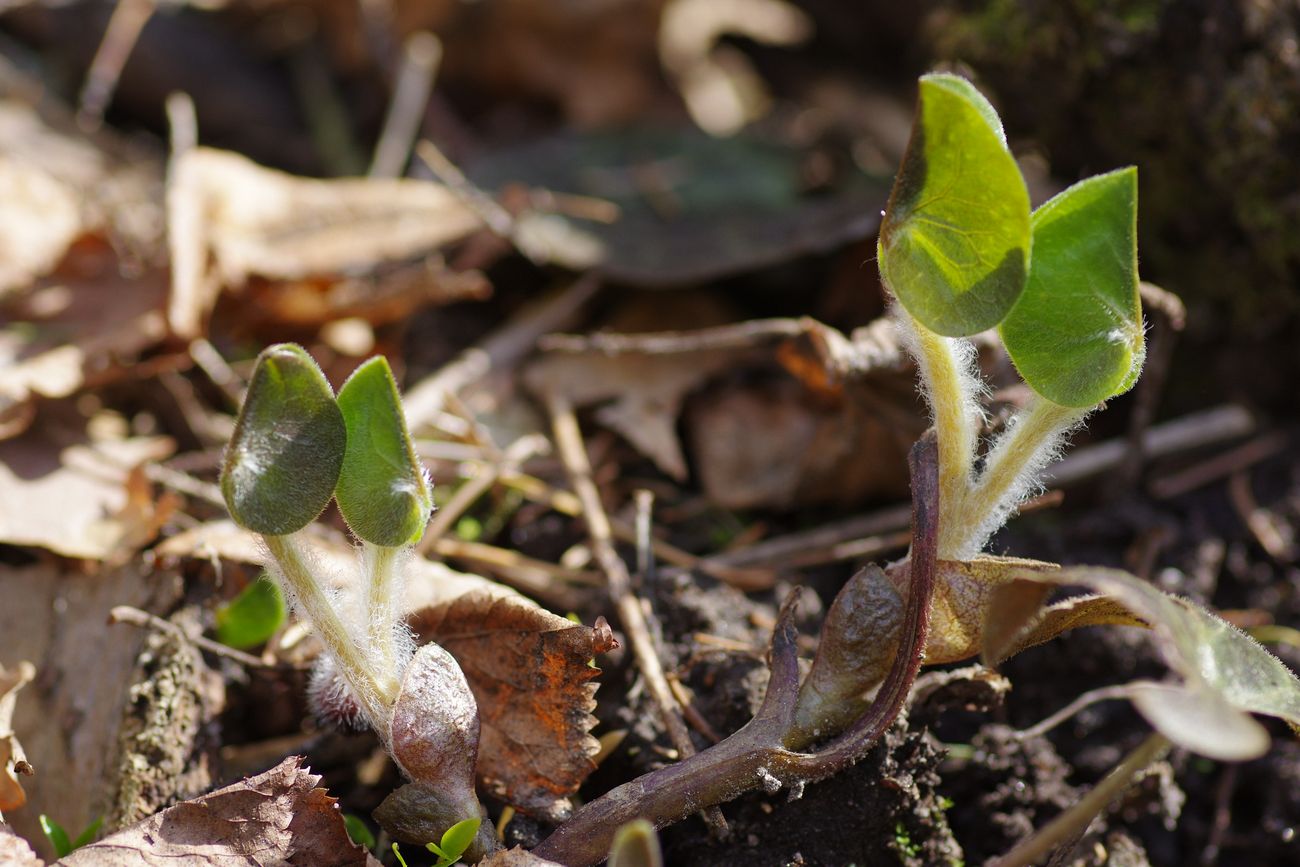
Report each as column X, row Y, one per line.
column 455, row 840
column 295, row 446
column 961, row 250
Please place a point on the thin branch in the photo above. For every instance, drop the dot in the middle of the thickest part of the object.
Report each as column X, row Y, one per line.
column 501, row 349
column 1073, row 822
column 124, row 26
column 420, row 58
column 136, row 617
column 568, row 440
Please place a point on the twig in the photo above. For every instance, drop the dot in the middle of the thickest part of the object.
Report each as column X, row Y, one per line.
column 136, row 617
column 1219, row 466
column 470, row 491
column 128, row 19
column 545, row 581
column 1197, row 430
column 568, row 441
column 500, row 349
column 211, row 362
column 500, row 221
column 420, row 57
column 1070, row 824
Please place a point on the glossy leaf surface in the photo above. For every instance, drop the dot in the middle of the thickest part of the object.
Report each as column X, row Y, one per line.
column 382, row 491
column 285, row 455
column 954, row 244
column 1075, row 335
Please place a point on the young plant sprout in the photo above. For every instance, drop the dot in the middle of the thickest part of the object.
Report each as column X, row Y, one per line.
column 962, row 253
column 295, row 447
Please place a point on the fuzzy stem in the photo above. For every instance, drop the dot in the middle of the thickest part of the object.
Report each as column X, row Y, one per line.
column 1070, row 825
column 1010, row 471
column 377, row 693
column 384, row 561
column 951, row 389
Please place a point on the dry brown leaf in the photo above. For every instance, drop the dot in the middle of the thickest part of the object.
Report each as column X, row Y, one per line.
column 69, row 717
column 15, row 851
column 645, row 394
column 233, row 219
column 529, row 672
column 75, row 491
column 39, row 220
column 57, row 185
column 86, row 322
column 13, row 761
column 777, row 444
column 278, row 817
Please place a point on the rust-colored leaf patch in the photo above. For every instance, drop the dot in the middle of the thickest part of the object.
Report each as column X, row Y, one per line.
column 13, row 761
column 278, row 817
column 529, row 672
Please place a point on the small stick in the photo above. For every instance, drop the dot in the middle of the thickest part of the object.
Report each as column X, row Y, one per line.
column 1068, row 826
column 568, row 440
column 1217, row 467
column 124, row 26
column 501, row 349
column 468, row 493
column 136, row 617
column 545, row 581
column 420, row 58
column 223, row 376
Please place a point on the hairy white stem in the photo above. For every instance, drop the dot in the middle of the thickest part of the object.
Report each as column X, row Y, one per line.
column 385, row 568
column 1032, row 439
column 952, row 387
column 376, row 690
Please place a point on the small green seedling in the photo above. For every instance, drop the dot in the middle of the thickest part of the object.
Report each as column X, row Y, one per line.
column 59, row 839
column 962, row 253
column 455, row 840
column 252, row 617
column 296, row 447
column 358, row 831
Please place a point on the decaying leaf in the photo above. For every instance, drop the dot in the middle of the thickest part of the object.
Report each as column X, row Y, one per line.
column 1226, row 675
column 77, row 491
column 39, row 220
column 252, row 220
column 57, row 185
column 13, row 761
column 86, row 322
column 529, row 672
column 692, row 207
column 776, row 444
column 15, row 851
column 278, row 817
column 644, row 394
column 965, row 593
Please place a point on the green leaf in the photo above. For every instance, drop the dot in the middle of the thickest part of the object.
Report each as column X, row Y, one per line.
column 87, row 836
column 1226, row 675
column 1075, row 335
column 455, row 840
column 954, row 244
column 57, row 836
column 358, row 831
column 253, row 616
column 383, row 491
column 284, row 457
